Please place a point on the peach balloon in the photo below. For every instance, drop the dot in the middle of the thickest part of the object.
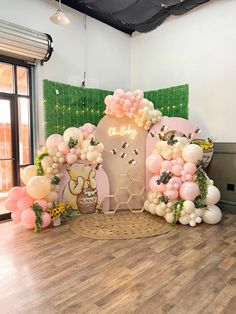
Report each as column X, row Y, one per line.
column 54, row 140
column 46, row 220
column 16, row 216
column 16, row 193
column 28, row 218
column 153, row 163
column 42, row 203
column 38, row 187
column 190, row 168
column 153, row 184
column 11, row 204
column 28, row 173
column 171, row 194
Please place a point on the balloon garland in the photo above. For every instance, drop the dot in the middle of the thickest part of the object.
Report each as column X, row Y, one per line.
column 32, row 205
column 179, row 189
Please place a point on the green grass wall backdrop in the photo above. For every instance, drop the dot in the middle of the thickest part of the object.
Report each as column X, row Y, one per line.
column 67, row 105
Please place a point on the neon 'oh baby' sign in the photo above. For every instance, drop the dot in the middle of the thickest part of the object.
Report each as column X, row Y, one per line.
column 122, row 131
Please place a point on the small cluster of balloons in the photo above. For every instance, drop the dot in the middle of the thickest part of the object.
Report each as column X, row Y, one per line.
column 42, row 188
column 134, row 106
column 175, row 179
column 20, row 203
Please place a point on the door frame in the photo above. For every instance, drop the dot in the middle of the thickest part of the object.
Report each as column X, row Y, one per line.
column 13, row 97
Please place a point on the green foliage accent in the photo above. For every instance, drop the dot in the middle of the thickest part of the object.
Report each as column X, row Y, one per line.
column 172, row 101
column 72, row 142
column 178, row 207
column 67, row 106
column 164, row 199
column 55, row 180
column 201, row 180
column 38, row 221
column 93, row 142
column 38, row 165
column 69, row 213
column 164, row 177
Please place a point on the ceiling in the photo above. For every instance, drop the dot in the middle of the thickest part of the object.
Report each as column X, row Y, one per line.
column 133, row 15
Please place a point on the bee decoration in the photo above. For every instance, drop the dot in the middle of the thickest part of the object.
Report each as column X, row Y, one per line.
column 123, row 155
column 135, row 151
column 125, row 145
column 197, row 131
column 113, row 151
column 152, row 134
column 98, row 166
column 210, row 140
column 161, row 136
column 190, row 136
column 164, row 128
column 132, row 162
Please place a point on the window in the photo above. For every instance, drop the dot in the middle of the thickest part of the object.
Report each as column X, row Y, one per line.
column 16, row 137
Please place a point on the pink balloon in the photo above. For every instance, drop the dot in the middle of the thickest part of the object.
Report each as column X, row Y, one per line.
column 166, row 165
column 180, row 161
column 189, row 177
column 54, row 140
column 161, row 188
column 119, row 93
column 11, row 204
column 108, row 99
column 169, row 186
column 25, row 202
column 16, row 216
column 28, row 218
column 73, row 150
column 189, row 191
column 46, row 220
column 63, row 147
column 153, row 163
column 71, row 158
column 171, row 194
column 153, row 184
column 184, row 173
column 190, row 168
column 175, row 181
column 177, row 170
column 16, row 193
column 42, row 203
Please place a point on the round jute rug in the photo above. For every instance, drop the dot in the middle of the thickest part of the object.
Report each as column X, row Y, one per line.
column 125, row 225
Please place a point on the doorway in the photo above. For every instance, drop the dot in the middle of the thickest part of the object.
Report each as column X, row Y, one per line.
column 16, row 138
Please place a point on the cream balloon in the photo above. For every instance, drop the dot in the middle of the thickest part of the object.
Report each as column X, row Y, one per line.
column 74, row 133
column 47, row 161
column 28, row 173
column 38, row 187
column 212, row 215
column 213, row 195
column 52, row 196
column 169, row 217
column 192, row 153
column 184, row 220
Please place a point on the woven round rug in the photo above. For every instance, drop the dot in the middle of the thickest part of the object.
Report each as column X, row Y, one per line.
column 125, row 225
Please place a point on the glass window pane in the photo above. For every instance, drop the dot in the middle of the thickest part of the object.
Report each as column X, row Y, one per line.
column 22, row 81
column 6, row 78
column 5, row 129
column 24, row 130
column 6, row 182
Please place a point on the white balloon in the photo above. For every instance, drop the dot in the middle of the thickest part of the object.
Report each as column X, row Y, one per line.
column 74, row 133
column 146, row 205
column 152, row 209
column 188, row 206
column 198, row 220
column 199, row 212
column 192, row 153
column 169, row 217
column 213, row 195
column 192, row 223
column 52, row 196
column 212, row 215
column 160, row 211
column 184, row 220
column 47, row 161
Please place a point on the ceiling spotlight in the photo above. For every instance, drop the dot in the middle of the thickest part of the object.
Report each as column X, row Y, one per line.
column 59, row 17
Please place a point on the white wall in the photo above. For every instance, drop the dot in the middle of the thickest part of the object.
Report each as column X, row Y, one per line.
column 107, row 50
column 198, row 48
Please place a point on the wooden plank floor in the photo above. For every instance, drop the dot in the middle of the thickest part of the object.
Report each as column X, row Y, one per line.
column 189, row 270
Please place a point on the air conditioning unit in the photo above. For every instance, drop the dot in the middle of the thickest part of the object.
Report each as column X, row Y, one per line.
column 24, row 43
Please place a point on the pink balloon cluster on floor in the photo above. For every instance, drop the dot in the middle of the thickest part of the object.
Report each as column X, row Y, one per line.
column 122, row 104
column 20, row 204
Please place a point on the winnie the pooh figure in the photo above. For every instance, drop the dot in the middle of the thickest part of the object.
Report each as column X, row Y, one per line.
column 81, row 190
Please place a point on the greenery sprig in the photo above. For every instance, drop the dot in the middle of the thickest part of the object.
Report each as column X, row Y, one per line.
column 72, row 142
column 164, row 199
column 38, row 221
column 164, row 177
column 38, row 164
column 55, row 180
column 93, row 142
column 178, row 207
column 201, row 180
